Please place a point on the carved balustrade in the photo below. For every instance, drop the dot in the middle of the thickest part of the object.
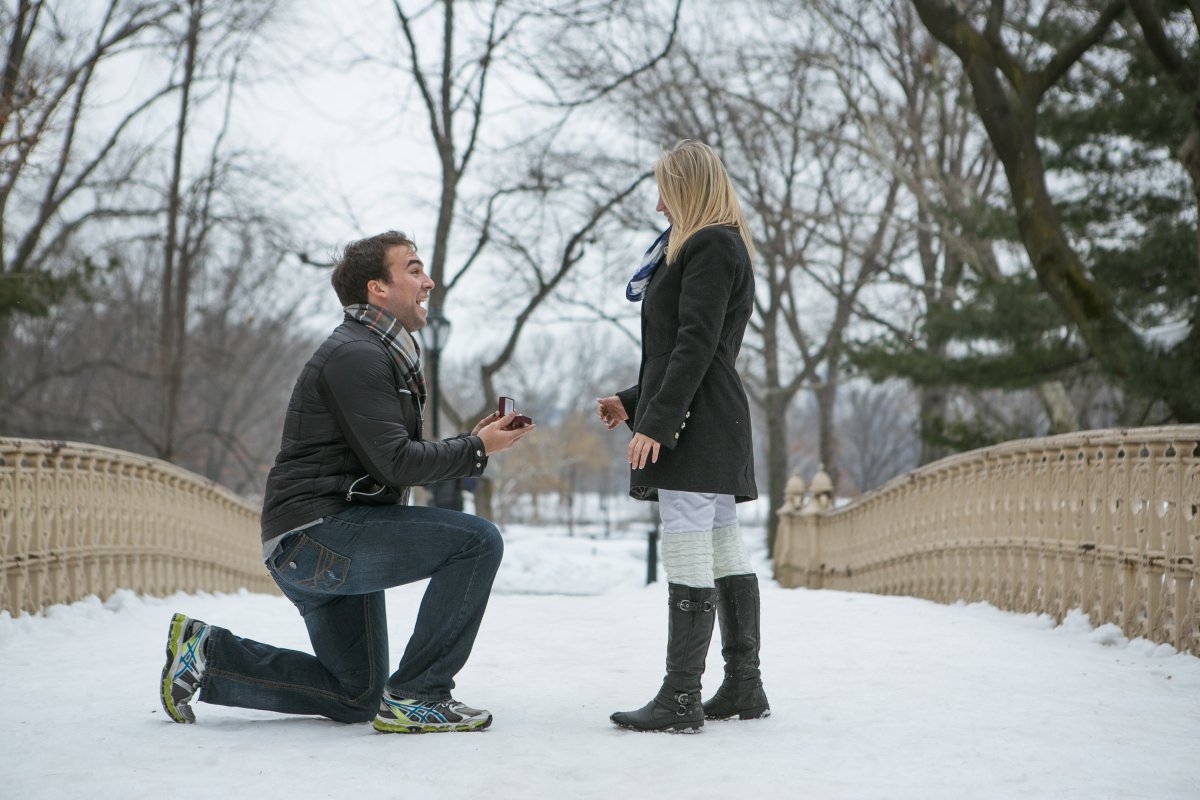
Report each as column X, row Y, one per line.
column 78, row 520
column 1104, row 521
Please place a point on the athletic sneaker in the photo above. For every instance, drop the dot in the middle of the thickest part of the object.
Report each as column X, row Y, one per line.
column 184, row 668
column 413, row 716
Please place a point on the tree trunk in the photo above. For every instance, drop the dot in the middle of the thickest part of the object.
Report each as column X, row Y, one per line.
column 1059, row 408
column 933, row 403
column 7, row 389
column 826, row 407
column 775, row 411
column 483, row 498
column 173, row 322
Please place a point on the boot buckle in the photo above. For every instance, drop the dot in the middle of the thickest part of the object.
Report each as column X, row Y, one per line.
column 691, row 605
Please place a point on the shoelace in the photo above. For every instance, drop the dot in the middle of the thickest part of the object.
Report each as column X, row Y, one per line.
column 193, row 660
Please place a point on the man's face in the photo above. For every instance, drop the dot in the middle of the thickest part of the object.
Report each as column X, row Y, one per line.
column 406, row 291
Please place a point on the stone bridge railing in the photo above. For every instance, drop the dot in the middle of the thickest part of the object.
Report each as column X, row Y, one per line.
column 1104, row 521
column 77, row 520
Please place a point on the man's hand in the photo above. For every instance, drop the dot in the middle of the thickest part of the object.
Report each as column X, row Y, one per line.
column 642, row 447
column 488, row 420
column 497, row 437
column 611, row 411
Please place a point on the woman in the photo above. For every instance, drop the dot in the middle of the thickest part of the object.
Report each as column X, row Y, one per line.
column 691, row 448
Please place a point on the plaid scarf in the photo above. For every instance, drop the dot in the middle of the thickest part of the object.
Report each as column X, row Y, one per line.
column 654, row 257
column 401, row 344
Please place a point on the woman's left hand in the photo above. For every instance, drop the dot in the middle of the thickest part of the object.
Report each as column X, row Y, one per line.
column 641, row 447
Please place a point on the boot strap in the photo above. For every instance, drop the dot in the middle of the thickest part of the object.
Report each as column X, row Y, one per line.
column 704, row 607
column 682, row 700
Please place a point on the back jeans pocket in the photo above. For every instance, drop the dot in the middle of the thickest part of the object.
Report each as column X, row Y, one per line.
column 313, row 566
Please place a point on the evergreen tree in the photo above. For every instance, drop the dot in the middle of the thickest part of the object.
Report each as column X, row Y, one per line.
column 1109, row 131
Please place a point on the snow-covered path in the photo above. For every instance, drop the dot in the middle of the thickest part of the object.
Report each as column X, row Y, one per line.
column 873, row 697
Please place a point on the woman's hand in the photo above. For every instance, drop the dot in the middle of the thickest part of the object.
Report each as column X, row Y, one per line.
column 611, row 411
column 642, row 447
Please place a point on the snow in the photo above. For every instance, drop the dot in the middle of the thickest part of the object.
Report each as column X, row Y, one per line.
column 873, row 697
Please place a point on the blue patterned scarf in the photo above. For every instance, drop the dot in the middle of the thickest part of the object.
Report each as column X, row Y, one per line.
column 654, row 257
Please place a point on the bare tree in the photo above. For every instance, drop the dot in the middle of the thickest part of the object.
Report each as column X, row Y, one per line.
column 453, row 52
column 823, row 216
column 182, row 348
column 212, row 41
column 59, row 172
column 877, row 436
column 573, row 453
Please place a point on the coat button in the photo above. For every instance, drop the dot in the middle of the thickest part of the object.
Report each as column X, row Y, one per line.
column 478, row 454
column 683, row 425
column 478, row 465
column 677, row 436
column 291, row 565
column 687, row 414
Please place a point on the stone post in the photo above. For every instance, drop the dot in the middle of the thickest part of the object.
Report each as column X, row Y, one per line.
column 790, row 547
column 798, row 560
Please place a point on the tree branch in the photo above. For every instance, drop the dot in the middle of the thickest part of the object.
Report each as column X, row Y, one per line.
column 1066, row 56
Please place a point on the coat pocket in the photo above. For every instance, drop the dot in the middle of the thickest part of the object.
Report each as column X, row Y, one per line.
column 313, row 566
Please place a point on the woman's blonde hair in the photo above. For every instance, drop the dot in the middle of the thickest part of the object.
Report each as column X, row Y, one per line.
column 697, row 191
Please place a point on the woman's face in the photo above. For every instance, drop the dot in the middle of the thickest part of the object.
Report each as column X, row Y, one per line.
column 662, row 209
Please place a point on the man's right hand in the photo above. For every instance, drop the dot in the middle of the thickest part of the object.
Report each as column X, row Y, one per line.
column 496, row 438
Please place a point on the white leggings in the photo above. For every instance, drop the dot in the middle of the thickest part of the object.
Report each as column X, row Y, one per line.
column 701, row 540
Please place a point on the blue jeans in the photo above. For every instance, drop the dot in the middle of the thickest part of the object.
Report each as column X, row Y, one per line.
column 335, row 574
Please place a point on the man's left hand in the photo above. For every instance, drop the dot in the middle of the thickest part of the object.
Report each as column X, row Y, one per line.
column 483, row 423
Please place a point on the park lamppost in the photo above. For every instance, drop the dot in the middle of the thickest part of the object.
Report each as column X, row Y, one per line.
column 444, row 494
column 437, row 331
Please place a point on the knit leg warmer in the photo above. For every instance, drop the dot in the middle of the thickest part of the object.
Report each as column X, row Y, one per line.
column 729, row 552
column 688, row 558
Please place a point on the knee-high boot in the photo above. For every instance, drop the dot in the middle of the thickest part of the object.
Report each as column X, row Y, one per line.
column 677, row 705
column 738, row 610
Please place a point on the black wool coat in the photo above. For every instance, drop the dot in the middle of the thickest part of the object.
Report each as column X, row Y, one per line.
column 689, row 397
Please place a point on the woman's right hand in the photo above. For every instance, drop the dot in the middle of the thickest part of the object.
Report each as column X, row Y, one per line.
column 611, row 411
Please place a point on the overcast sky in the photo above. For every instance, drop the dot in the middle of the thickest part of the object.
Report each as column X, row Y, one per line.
column 353, row 131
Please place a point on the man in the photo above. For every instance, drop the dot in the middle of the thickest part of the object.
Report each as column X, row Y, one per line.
column 337, row 530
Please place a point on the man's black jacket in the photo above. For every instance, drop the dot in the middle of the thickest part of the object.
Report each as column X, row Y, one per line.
column 350, row 437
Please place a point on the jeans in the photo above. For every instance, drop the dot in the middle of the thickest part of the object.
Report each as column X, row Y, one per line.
column 335, row 573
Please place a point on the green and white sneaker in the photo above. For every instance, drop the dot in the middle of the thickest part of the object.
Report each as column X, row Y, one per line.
column 413, row 716
column 184, row 668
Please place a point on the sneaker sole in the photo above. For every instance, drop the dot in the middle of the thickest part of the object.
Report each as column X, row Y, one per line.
column 174, row 637
column 457, row 727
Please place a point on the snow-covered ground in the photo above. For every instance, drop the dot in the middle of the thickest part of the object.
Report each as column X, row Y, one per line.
column 873, row 697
